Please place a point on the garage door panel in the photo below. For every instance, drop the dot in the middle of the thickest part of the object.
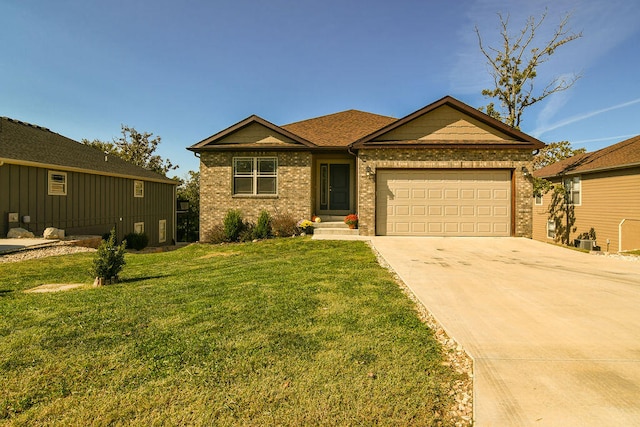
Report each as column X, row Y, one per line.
column 418, row 210
column 444, row 202
column 467, row 210
column 451, row 194
column 419, row 193
column 485, row 227
column 500, row 211
column 467, row 194
column 484, row 194
column 418, row 227
column 500, row 194
column 401, row 227
column 451, row 227
column 485, row 210
column 402, row 193
column 402, row 210
column 435, row 210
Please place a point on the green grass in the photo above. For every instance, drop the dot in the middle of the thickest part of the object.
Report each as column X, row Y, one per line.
column 280, row 332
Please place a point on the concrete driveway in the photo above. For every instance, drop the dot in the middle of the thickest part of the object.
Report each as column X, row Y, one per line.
column 554, row 333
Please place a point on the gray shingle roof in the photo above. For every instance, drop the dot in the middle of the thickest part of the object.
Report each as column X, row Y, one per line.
column 24, row 143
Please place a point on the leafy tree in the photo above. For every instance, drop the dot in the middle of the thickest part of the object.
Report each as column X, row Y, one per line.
column 551, row 153
column 137, row 148
column 189, row 221
column 554, row 152
column 514, row 68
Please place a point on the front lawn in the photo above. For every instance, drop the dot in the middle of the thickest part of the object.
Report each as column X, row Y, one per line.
column 281, row 332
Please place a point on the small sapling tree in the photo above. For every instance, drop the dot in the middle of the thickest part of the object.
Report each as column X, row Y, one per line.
column 109, row 260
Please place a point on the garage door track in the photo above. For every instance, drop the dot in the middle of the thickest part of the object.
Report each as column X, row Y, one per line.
column 554, row 333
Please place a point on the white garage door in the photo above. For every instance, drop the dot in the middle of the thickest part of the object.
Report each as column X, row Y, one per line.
column 428, row 202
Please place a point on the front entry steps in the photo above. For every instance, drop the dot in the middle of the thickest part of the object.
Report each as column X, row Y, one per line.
column 334, row 228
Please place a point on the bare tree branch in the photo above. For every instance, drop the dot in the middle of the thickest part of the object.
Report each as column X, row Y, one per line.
column 514, row 67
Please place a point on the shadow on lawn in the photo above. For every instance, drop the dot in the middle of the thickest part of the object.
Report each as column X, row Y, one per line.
column 4, row 292
column 142, row 278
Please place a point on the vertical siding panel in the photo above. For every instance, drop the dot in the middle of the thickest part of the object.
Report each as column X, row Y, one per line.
column 42, row 199
column 32, row 205
column 4, row 200
column 77, row 197
column 14, row 180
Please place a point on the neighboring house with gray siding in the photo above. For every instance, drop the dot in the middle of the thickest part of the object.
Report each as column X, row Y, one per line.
column 605, row 196
column 444, row 170
column 48, row 180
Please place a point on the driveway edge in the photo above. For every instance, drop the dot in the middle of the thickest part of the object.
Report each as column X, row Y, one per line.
column 456, row 354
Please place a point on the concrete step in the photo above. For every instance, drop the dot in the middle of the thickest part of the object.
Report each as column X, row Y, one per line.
column 336, row 231
column 332, row 218
column 330, row 224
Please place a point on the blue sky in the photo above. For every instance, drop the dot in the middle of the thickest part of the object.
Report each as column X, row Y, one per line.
column 187, row 69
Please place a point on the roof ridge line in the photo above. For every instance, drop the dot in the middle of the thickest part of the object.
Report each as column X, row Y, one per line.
column 20, row 122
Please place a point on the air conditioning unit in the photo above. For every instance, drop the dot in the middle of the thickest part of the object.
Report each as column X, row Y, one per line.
column 586, row 244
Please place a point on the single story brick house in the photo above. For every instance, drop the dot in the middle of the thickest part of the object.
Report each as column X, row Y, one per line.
column 444, row 170
column 604, row 190
column 48, row 180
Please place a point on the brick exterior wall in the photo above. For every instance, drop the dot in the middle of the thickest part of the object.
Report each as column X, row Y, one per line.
column 439, row 158
column 216, row 188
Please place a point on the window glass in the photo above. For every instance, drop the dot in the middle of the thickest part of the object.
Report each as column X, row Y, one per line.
column 162, row 230
column 255, row 175
column 266, row 166
column 243, row 185
column 57, row 183
column 243, row 166
column 266, row 185
column 551, row 229
column 138, row 188
column 573, row 187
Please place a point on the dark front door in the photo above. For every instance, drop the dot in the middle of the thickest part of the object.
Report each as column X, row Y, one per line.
column 339, row 187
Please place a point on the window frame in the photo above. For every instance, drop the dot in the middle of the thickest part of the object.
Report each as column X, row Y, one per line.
column 551, row 229
column 573, row 186
column 138, row 184
column 138, row 225
column 254, row 175
column 50, row 182
column 538, row 199
column 162, row 231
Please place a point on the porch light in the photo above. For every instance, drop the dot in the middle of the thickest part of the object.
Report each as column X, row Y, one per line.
column 369, row 171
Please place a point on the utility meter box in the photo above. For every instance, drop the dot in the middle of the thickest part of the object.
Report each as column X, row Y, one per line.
column 13, row 216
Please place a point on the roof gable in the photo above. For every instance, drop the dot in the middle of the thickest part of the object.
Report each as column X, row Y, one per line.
column 252, row 132
column 448, row 122
column 26, row 144
column 616, row 156
column 339, row 129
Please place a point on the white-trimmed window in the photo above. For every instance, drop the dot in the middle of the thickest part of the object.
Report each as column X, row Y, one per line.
column 551, row 229
column 138, row 227
column 57, row 183
column 162, row 231
column 574, row 189
column 138, row 188
column 255, row 176
column 538, row 199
